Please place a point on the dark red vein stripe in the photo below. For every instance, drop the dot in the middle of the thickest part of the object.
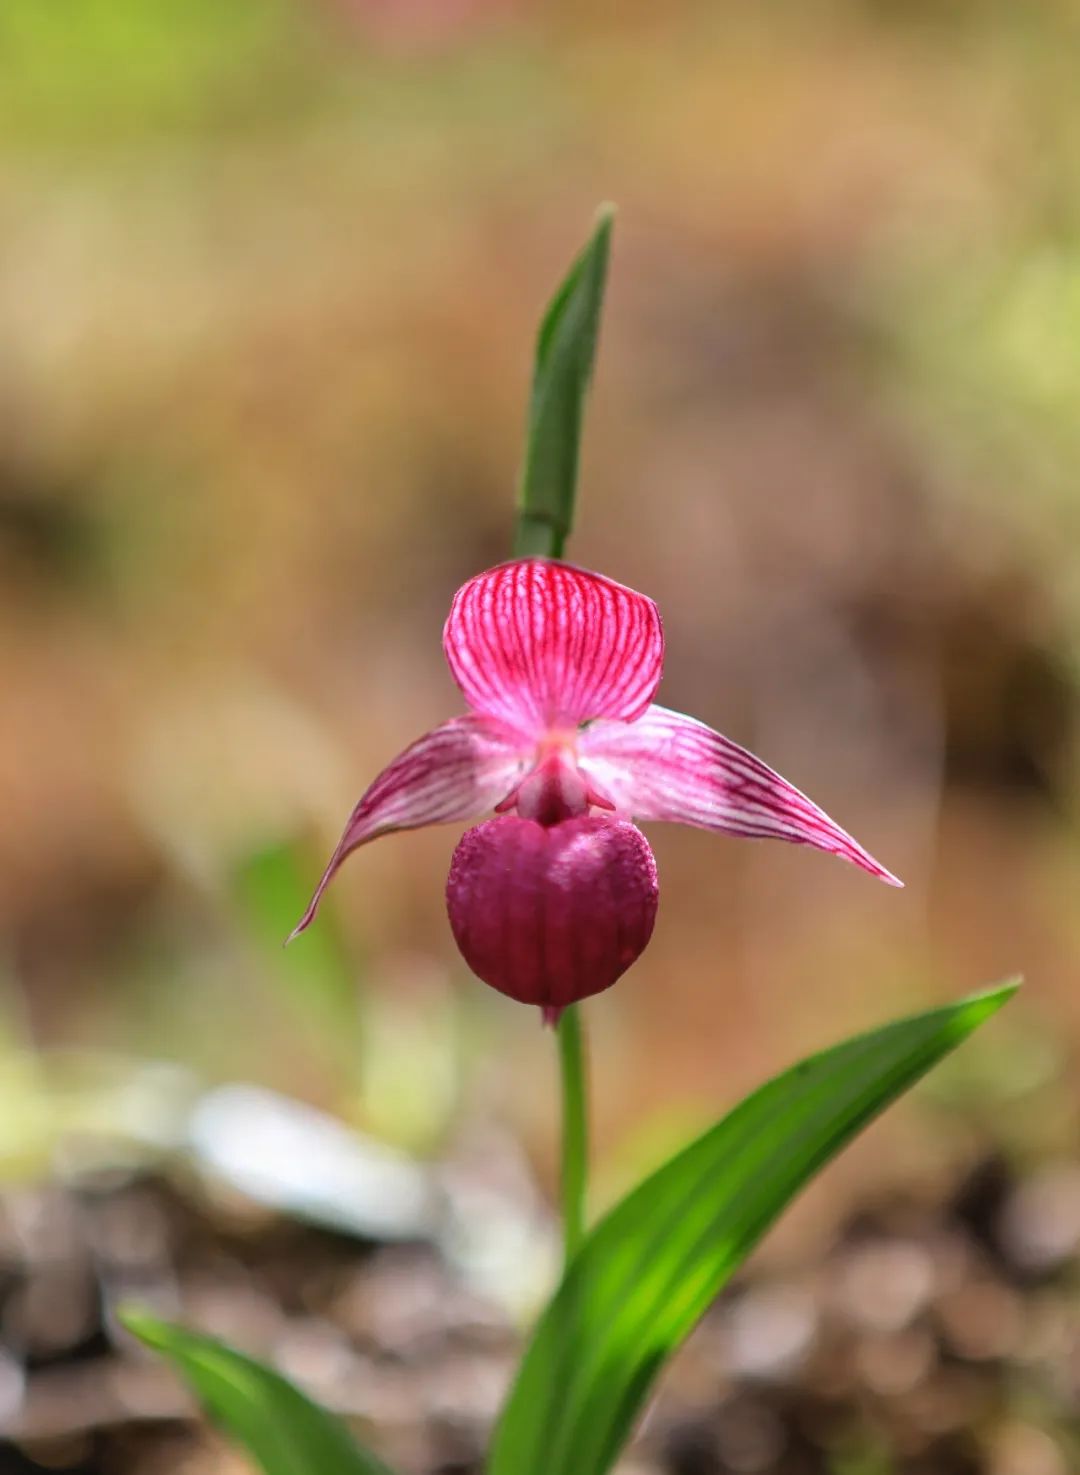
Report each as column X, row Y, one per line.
column 540, row 644
column 670, row 767
column 457, row 771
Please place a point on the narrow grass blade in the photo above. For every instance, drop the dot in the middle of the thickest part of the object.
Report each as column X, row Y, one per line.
column 269, row 888
column 282, row 1429
column 649, row 1270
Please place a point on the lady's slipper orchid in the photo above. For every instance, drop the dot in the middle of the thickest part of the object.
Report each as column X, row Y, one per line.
column 554, row 898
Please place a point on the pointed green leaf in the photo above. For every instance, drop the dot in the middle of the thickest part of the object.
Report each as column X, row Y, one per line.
column 647, row 1272
column 285, row 1432
column 565, row 349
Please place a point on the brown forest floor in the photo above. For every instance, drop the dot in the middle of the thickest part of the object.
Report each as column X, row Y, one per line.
column 930, row 1338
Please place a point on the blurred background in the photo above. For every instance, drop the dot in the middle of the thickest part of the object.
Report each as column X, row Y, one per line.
column 269, row 277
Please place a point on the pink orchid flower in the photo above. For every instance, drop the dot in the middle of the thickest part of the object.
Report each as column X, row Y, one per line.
column 555, row 897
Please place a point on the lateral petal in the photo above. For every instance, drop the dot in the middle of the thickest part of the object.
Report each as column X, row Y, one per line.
column 542, row 645
column 667, row 766
column 457, row 771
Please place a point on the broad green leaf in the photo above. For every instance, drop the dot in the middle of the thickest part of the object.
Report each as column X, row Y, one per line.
column 649, row 1270
column 565, row 349
column 285, row 1432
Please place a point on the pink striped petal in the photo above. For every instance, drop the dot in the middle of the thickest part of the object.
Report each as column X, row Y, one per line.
column 457, row 771
column 671, row 767
column 543, row 645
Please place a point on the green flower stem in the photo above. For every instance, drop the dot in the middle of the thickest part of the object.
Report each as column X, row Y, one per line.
column 565, row 349
column 575, row 1128
column 539, row 535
